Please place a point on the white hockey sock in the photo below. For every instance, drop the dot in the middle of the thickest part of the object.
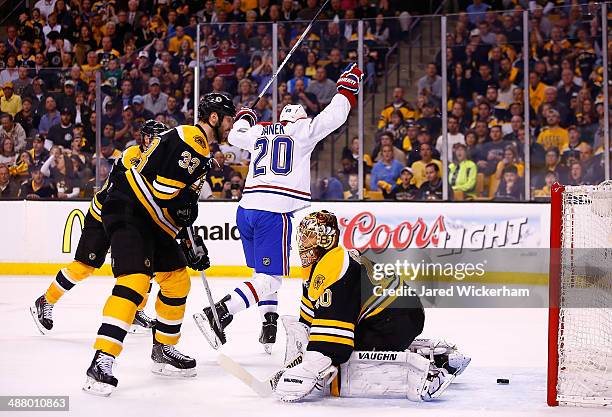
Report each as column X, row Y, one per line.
column 249, row 293
column 268, row 304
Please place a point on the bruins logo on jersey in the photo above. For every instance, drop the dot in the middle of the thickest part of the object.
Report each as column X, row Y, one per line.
column 318, row 281
column 200, row 141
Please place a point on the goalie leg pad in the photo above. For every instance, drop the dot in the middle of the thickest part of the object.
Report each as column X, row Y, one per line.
column 296, row 338
column 442, row 354
column 391, row 375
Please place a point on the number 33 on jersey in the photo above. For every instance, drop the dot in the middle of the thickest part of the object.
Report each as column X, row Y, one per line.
column 279, row 176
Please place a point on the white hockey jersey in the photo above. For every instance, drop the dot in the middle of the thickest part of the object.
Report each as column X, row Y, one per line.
column 279, row 172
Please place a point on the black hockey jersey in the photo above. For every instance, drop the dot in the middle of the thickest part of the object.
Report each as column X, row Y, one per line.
column 175, row 160
column 340, row 296
column 128, row 158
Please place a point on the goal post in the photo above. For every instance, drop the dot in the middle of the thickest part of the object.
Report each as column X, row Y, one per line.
column 580, row 296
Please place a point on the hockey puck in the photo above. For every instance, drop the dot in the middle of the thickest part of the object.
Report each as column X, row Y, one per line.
column 503, row 381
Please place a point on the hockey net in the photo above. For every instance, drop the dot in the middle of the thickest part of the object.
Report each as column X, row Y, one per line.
column 580, row 320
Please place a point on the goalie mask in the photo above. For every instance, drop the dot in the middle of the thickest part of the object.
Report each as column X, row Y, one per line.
column 292, row 113
column 317, row 234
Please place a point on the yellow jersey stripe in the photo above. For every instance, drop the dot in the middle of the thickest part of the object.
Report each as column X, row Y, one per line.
column 333, row 323
column 169, row 182
column 149, row 205
column 307, row 302
column 94, row 214
column 332, row 339
column 305, row 317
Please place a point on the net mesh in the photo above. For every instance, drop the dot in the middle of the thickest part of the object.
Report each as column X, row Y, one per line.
column 585, row 318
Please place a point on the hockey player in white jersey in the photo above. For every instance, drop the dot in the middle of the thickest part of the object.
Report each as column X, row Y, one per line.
column 278, row 183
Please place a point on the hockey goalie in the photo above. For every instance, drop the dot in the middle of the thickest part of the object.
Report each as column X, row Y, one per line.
column 351, row 343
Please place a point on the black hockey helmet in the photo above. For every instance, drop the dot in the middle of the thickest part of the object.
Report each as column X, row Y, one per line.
column 215, row 103
column 151, row 128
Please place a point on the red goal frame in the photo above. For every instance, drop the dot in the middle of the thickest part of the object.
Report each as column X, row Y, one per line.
column 554, row 292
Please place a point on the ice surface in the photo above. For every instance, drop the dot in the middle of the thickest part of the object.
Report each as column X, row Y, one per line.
column 503, row 343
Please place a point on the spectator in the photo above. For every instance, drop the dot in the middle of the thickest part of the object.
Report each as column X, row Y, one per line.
column 322, row 87
column 61, row 133
column 553, row 135
column 335, row 66
column 219, row 173
column 22, row 82
column 510, row 187
column 419, row 167
column 592, row 170
column 308, row 100
column 10, row 103
column 8, row 188
column 430, row 85
column 398, row 103
column 175, row 41
column 492, row 152
column 544, row 192
column 67, row 97
column 575, row 175
column 536, row 91
column 126, row 130
column 405, row 190
column 510, row 159
column 234, row 155
column 567, row 87
column 386, row 171
column 352, row 192
column 50, row 118
column 246, row 97
column 462, row 172
column 38, row 153
column 481, row 81
column 298, row 74
column 453, row 137
column 329, row 188
column 174, row 116
column 141, row 114
column 400, row 131
column 45, row 7
column 38, row 187
column 476, row 11
column 155, row 101
column 13, row 131
column 7, row 153
column 430, row 121
column 432, row 188
column 386, row 138
column 574, row 142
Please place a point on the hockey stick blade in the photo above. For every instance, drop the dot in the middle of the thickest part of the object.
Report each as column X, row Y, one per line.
column 261, row 388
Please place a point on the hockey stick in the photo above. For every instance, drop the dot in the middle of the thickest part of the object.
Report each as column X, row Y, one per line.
column 205, row 282
column 299, row 41
column 263, row 388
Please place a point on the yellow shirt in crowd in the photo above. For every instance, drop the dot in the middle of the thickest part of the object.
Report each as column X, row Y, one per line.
column 554, row 137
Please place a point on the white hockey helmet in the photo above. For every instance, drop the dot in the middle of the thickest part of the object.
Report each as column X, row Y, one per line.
column 292, row 113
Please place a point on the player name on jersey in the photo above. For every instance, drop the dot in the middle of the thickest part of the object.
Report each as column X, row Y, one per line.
column 273, row 129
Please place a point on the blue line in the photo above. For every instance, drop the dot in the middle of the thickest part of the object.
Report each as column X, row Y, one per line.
column 240, row 293
column 275, row 192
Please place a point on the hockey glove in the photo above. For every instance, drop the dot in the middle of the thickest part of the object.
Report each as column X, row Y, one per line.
column 297, row 382
column 248, row 115
column 349, row 83
column 197, row 256
column 184, row 208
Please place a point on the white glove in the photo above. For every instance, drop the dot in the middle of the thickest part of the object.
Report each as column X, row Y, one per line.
column 299, row 381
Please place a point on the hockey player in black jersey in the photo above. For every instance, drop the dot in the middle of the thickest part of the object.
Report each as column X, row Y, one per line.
column 144, row 212
column 348, row 336
column 93, row 243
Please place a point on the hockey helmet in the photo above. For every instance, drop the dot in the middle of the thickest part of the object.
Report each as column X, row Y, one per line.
column 215, row 103
column 149, row 130
column 317, row 234
column 292, row 113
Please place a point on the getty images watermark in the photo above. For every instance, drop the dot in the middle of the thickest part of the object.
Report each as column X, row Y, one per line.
column 441, row 279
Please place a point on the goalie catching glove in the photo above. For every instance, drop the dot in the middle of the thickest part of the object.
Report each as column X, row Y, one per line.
column 349, row 83
column 247, row 114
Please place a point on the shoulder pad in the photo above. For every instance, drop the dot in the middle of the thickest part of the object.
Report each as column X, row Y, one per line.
column 131, row 156
column 330, row 269
column 194, row 137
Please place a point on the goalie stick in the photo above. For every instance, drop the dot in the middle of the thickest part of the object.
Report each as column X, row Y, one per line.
column 263, row 388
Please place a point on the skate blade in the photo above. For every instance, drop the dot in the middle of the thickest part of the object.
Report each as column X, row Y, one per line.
column 169, row 371
column 138, row 329
column 207, row 331
column 268, row 348
column 100, row 389
column 39, row 325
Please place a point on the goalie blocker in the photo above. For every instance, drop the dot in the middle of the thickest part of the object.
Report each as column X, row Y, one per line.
column 345, row 335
